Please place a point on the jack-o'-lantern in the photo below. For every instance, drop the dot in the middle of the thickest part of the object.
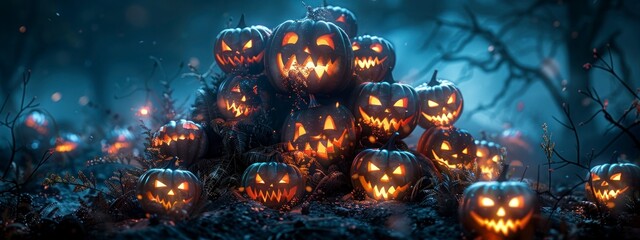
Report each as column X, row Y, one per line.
column 312, row 56
column 450, row 147
column 275, row 185
column 386, row 173
column 441, row 103
column 613, row 185
column 238, row 97
column 241, row 49
column 118, row 141
column 183, row 139
column 374, row 58
column 384, row 108
column 489, row 158
column 327, row 133
column 498, row 210
column 168, row 192
column 34, row 130
column 342, row 17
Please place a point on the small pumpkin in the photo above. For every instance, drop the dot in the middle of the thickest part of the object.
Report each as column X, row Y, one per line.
column 450, row 147
column 441, row 103
column 118, row 141
column 342, row 17
column 325, row 132
column 309, row 55
column 168, row 192
column 489, row 159
column 498, row 210
column 239, row 97
column 241, row 49
column 383, row 108
column 386, row 173
column 275, row 185
column 374, row 58
column 183, row 139
column 613, row 184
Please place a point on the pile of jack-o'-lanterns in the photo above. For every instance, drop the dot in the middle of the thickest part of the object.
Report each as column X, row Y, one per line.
column 321, row 57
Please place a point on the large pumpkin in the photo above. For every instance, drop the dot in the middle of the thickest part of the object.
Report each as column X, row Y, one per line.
column 498, row 210
column 342, row 17
column 383, row 108
column 385, row 173
column 314, row 56
column 168, row 192
column 239, row 97
column 325, row 132
column 276, row 185
column 614, row 185
column 241, row 49
column 489, row 158
column 183, row 139
column 450, row 147
column 441, row 103
column 374, row 58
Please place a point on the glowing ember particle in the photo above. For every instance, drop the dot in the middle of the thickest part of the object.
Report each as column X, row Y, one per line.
column 56, row 96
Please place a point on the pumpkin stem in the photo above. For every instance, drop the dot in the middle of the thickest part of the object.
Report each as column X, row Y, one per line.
column 391, row 144
column 312, row 101
column 172, row 164
column 324, row 3
column 503, row 173
column 241, row 23
column 433, row 81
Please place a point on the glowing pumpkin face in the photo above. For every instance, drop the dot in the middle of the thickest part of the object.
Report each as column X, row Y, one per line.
column 342, row 17
column 118, row 141
column 498, row 210
column 327, row 133
column 241, row 49
column 168, row 192
column 450, row 147
column 386, row 173
column 374, row 58
column 275, row 185
column 441, row 103
column 314, row 56
column 238, row 97
column 489, row 158
column 383, row 108
column 613, row 184
column 183, row 139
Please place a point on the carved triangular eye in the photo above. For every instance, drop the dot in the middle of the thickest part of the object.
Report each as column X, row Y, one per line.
column 445, row 146
column 516, row 202
column 616, row 177
column 290, row 38
column 326, row 40
column 594, row 177
column 183, row 186
column 236, row 88
column 284, row 179
column 451, row 99
column 341, row 18
column 465, row 151
column 299, row 131
column 398, row 170
column 355, row 46
column 432, row 103
column 486, row 202
column 376, row 47
column 160, row 184
column 372, row 167
column 401, row 103
column 225, row 47
column 495, row 158
column 479, row 154
column 374, row 101
column 248, row 45
column 259, row 179
column 329, row 124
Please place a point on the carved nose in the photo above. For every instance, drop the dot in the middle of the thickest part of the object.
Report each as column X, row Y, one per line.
column 384, row 178
column 170, row 193
column 455, row 155
column 306, row 49
column 387, row 110
column 444, row 109
column 271, row 185
column 501, row 212
column 244, row 99
column 604, row 183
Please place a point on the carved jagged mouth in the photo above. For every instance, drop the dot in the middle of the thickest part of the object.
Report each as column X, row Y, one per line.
column 382, row 193
column 501, row 225
column 323, row 148
column 167, row 204
column 486, row 172
column 239, row 60
column 443, row 119
column 386, row 124
column 272, row 195
column 240, row 109
column 319, row 67
column 166, row 139
column 366, row 63
column 609, row 195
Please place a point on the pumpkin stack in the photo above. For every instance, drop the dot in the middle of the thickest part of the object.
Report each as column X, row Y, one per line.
column 441, row 105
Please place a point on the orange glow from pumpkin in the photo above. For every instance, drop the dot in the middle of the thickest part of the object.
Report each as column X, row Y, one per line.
column 376, row 47
column 225, row 47
column 66, row 147
column 290, row 38
column 341, row 19
column 326, row 40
